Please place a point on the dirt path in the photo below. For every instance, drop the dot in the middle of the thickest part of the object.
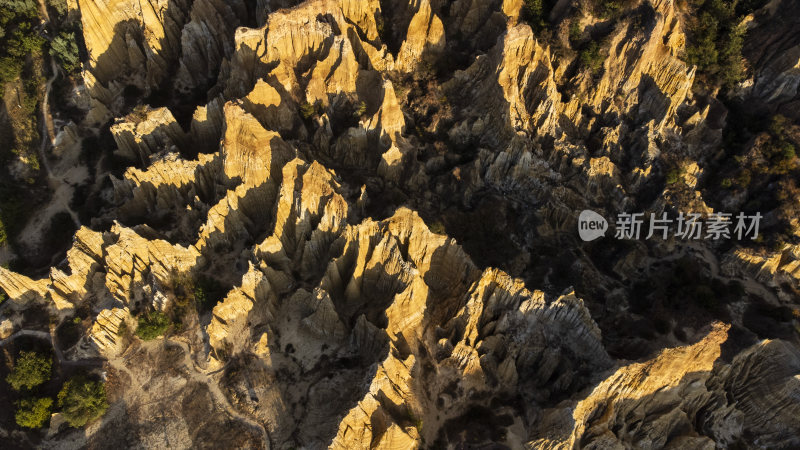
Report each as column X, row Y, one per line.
column 203, row 376
column 193, row 373
column 43, row 11
column 51, row 337
column 61, row 182
column 48, row 137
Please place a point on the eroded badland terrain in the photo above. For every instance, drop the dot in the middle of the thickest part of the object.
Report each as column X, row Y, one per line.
column 352, row 224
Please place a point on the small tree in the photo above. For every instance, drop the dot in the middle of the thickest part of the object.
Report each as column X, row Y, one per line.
column 535, row 13
column 575, row 31
column 360, row 110
column 31, row 369
column 307, row 110
column 673, row 176
column 64, row 49
column 10, row 69
column 592, row 58
column 437, row 228
column 33, row 412
column 82, row 400
column 152, row 325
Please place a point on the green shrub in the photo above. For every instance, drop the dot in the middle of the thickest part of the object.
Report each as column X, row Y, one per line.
column 33, row 412
column 82, row 400
column 23, row 8
column 30, row 370
column 152, row 325
column 777, row 126
column 673, row 176
column 10, row 69
column 609, row 8
column 207, row 293
column 25, row 41
column 3, row 235
column 381, row 27
column 575, row 31
column 307, row 110
column 360, row 110
column 591, row 58
column 535, row 13
column 788, row 151
column 437, row 227
column 200, row 295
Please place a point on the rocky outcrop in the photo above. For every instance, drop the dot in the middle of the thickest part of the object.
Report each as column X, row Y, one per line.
column 774, row 53
column 130, row 43
column 168, row 184
column 781, row 268
column 425, row 38
column 250, row 154
column 20, row 288
column 136, row 265
column 201, row 54
column 110, row 331
column 688, row 388
column 148, row 131
column 85, row 260
column 246, row 307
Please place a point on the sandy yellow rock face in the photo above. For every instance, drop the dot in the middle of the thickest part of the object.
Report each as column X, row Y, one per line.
column 110, row 330
column 425, row 34
column 247, row 306
column 146, row 132
column 249, row 153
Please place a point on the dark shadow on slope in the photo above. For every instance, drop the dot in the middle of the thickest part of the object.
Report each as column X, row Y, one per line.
column 766, row 44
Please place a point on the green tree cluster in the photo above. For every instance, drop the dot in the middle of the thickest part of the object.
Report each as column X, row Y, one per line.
column 773, row 158
column 437, row 228
column 33, row 412
column 30, row 370
column 715, row 39
column 536, row 12
column 82, row 400
column 59, row 6
column 152, row 325
column 780, row 150
column 64, row 49
column 18, row 36
column 575, row 31
column 591, row 57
